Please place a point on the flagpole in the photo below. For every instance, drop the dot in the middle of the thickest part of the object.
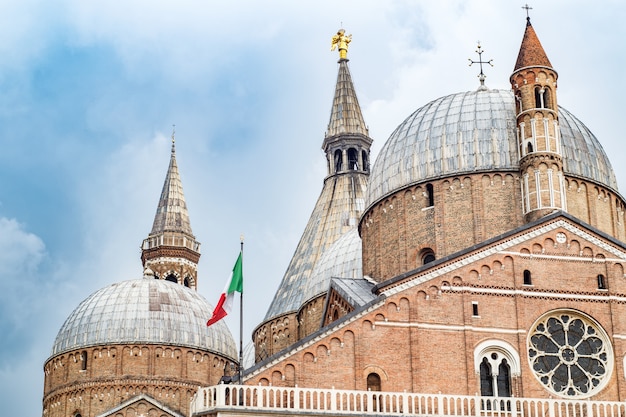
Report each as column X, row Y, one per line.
column 241, row 324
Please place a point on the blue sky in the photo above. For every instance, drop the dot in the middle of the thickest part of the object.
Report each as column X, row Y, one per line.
column 89, row 92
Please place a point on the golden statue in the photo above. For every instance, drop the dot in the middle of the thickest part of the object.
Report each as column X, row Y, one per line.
column 342, row 40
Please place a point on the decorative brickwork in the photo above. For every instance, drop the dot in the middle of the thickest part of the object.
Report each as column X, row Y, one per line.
column 337, row 308
column 94, row 380
column 432, row 326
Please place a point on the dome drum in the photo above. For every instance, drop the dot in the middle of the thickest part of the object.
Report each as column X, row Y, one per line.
column 456, row 160
column 139, row 337
column 397, row 230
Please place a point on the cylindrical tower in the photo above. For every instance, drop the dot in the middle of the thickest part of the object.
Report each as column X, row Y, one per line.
column 541, row 163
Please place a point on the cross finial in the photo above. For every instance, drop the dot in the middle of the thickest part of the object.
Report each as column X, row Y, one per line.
column 480, row 61
column 528, row 9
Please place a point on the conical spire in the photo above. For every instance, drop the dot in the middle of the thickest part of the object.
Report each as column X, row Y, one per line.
column 345, row 116
column 336, row 212
column 171, row 214
column 531, row 53
column 171, row 251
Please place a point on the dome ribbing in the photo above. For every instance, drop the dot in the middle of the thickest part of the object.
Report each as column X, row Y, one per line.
column 474, row 131
column 147, row 311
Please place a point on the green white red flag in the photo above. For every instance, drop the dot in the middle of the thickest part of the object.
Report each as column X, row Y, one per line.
column 225, row 303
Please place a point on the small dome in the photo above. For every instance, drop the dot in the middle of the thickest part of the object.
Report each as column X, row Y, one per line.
column 342, row 260
column 149, row 311
column 474, row 131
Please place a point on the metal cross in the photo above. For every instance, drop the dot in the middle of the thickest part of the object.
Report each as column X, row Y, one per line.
column 480, row 61
column 528, row 9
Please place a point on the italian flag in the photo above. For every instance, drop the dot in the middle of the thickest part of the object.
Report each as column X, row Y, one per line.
column 234, row 284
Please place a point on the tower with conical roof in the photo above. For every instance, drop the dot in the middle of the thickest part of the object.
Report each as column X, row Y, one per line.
column 171, row 250
column 541, row 163
column 142, row 344
column 337, row 211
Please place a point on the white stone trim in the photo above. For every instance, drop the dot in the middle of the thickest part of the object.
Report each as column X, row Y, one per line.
column 485, row 348
column 535, row 294
column 448, row 327
column 500, row 248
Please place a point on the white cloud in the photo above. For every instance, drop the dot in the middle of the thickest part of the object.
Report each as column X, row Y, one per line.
column 249, row 85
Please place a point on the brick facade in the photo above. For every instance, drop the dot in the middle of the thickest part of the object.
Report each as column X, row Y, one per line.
column 395, row 231
column 114, row 374
column 423, row 336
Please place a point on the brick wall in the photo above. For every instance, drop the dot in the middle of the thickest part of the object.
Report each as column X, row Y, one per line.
column 467, row 210
column 114, row 374
column 423, row 338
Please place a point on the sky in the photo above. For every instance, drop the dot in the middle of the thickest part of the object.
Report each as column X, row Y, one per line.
column 90, row 91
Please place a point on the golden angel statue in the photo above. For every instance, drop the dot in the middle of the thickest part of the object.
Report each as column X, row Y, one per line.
column 342, row 40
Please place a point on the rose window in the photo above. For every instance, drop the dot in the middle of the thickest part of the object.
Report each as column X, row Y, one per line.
column 570, row 354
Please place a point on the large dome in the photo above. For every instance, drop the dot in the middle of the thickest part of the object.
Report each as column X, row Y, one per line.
column 149, row 311
column 474, row 131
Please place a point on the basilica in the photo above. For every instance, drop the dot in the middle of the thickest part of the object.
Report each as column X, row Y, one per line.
column 476, row 267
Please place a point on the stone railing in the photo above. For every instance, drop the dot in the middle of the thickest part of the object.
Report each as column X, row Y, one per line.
column 260, row 400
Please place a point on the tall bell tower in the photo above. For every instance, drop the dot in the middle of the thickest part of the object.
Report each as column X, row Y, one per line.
column 539, row 144
column 171, row 251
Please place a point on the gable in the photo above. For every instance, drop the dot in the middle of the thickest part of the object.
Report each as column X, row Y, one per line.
column 141, row 405
column 557, row 238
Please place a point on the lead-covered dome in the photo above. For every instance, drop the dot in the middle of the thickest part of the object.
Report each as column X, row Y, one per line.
column 343, row 259
column 149, row 311
column 474, row 131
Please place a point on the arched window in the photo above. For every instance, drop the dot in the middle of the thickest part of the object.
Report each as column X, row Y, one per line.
column 527, row 278
column 547, row 98
column 353, row 159
column 83, row 358
column 430, row 195
column 186, row 282
column 504, row 379
column 338, row 160
column 486, row 379
column 539, row 97
column 529, row 147
column 601, row 282
column 171, row 278
column 495, row 384
column 496, row 362
column 426, row 256
column 373, row 382
column 366, row 163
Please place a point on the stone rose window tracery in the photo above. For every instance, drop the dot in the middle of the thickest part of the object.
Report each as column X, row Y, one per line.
column 570, row 354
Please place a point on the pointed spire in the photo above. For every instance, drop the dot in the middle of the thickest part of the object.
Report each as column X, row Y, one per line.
column 346, row 116
column 171, row 251
column 531, row 53
column 171, row 214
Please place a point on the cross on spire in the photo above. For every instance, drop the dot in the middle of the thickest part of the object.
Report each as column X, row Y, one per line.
column 480, row 61
column 528, row 9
